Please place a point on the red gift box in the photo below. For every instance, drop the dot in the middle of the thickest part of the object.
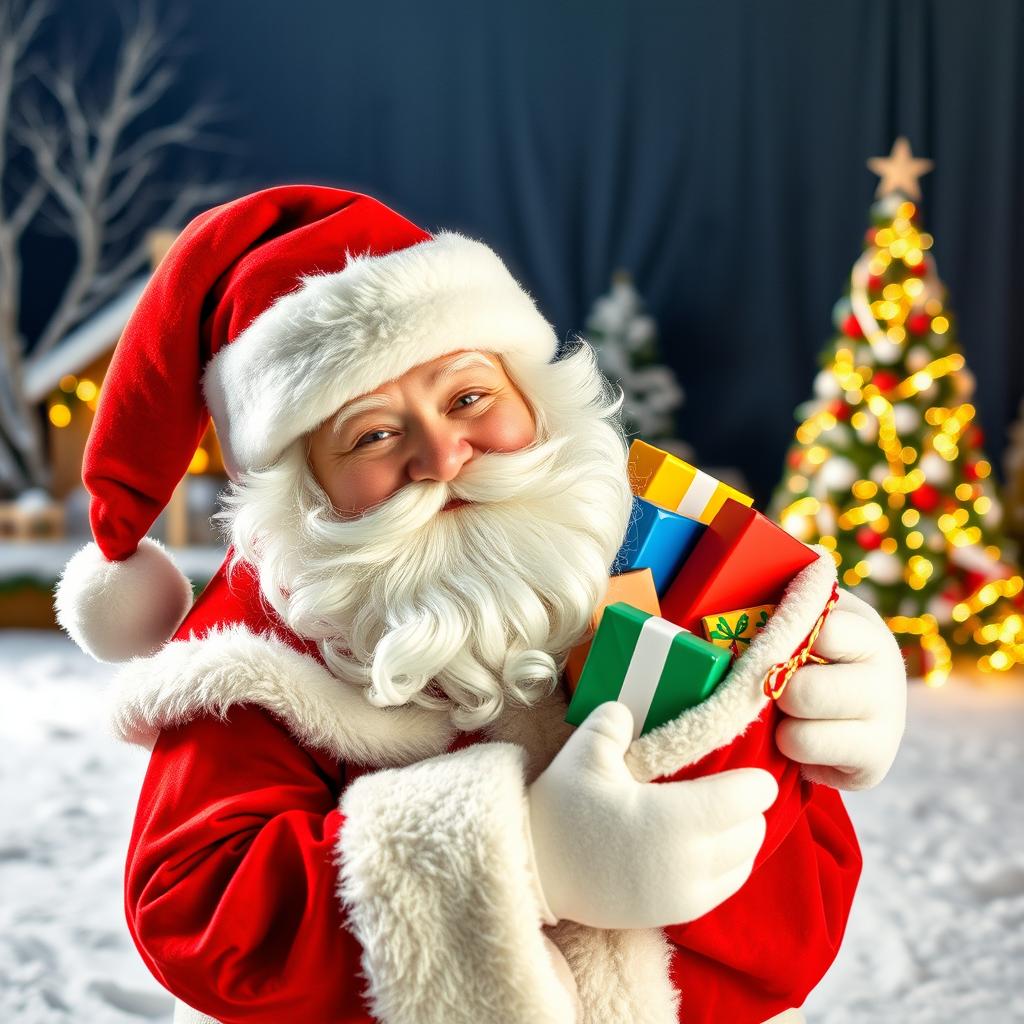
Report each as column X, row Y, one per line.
column 743, row 559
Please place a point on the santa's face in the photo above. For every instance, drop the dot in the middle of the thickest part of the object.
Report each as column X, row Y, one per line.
column 426, row 425
column 458, row 609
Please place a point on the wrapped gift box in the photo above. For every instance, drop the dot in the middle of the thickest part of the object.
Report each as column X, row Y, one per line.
column 734, row 630
column 743, row 559
column 654, row 667
column 672, row 484
column 658, row 540
column 633, row 588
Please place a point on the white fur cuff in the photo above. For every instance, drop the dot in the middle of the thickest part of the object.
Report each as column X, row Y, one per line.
column 434, row 876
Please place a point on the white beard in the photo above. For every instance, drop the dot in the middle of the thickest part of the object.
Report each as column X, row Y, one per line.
column 456, row 609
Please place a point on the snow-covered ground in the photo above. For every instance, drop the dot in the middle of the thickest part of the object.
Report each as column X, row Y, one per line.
column 936, row 935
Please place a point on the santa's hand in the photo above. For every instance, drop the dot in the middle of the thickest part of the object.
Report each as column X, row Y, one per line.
column 612, row 852
column 846, row 718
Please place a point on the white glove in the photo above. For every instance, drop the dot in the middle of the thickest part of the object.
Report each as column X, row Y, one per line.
column 848, row 717
column 611, row 852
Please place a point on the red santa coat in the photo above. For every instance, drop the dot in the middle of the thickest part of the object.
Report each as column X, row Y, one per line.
column 298, row 855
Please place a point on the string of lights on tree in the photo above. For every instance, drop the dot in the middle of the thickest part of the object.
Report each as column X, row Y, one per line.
column 887, row 469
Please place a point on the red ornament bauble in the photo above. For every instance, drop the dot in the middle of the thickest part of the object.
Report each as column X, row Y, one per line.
column 868, row 539
column 926, row 498
column 869, row 235
column 851, row 327
column 919, row 323
column 918, row 269
column 970, row 471
column 884, row 380
column 976, row 436
column 840, row 410
column 795, row 457
column 874, row 282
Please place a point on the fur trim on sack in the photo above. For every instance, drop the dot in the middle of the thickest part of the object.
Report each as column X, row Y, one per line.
column 738, row 700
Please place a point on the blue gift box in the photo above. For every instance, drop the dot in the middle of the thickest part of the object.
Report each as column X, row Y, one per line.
column 658, row 540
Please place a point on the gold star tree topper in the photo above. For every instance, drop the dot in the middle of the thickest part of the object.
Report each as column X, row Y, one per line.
column 899, row 170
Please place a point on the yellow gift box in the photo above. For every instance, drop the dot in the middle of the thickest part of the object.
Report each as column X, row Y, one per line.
column 734, row 630
column 670, row 483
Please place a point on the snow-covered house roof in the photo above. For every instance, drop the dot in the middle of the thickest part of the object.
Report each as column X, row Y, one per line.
column 94, row 336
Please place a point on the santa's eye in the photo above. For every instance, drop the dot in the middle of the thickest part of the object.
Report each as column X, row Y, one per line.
column 370, row 437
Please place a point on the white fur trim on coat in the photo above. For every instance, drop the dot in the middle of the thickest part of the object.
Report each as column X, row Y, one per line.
column 434, row 875
column 234, row 666
column 343, row 334
column 119, row 610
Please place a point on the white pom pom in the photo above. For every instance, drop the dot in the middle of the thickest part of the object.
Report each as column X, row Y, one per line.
column 120, row 610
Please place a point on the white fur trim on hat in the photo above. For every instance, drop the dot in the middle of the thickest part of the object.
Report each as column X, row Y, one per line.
column 119, row 610
column 344, row 334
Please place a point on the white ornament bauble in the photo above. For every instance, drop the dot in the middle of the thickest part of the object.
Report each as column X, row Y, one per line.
column 937, row 471
column 936, row 541
column 884, row 568
column 838, row 473
column 868, row 430
column 826, row 385
column 906, row 418
column 942, row 608
column 826, row 521
column 879, row 472
column 918, row 358
column 886, row 351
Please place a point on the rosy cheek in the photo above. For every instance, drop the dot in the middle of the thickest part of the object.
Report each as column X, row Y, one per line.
column 510, row 430
column 357, row 487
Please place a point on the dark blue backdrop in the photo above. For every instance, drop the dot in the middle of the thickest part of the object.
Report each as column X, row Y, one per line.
column 717, row 149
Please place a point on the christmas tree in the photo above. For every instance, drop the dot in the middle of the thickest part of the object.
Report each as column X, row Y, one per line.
column 626, row 340
column 887, row 469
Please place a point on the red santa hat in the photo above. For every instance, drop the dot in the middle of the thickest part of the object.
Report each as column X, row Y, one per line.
column 267, row 314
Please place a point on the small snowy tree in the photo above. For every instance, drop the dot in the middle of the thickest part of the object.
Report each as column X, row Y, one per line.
column 88, row 166
column 626, row 341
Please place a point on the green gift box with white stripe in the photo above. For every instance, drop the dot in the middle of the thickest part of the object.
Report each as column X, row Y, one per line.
column 654, row 667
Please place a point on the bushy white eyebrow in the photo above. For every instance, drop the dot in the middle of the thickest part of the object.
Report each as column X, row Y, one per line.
column 356, row 408
column 370, row 402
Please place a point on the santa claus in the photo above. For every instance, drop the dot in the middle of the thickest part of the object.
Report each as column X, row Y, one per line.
column 363, row 802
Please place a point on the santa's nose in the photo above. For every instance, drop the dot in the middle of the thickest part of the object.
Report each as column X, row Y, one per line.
column 440, row 454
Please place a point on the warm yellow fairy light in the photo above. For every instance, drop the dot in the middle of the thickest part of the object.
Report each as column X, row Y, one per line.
column 200, row 460
column 909, row 455
column 881, row 525
column 889, row 545
column 879, row 263
column 982, row 469
column 797, row 483
column 806, row 506
column 940, row 325
column 892, row 292
column 913, row 286
column 982, row 505
column 912, row 257
column 927, row 628
column 68, row 383
column 896, row 333
column 964, row 492
column 906, row 209
column 60, row 414
column 993, row 552
column 827, row 542
column 915, row 539
column 86, row 390
column 933, row 306
column 865, row 489
column 899, row 248
column 851, row 578
column 884, row 237
column 817, row 455
column 925, row 240
column 911, row 517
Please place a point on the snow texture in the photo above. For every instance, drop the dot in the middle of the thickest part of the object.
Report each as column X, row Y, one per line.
column 936, row 934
